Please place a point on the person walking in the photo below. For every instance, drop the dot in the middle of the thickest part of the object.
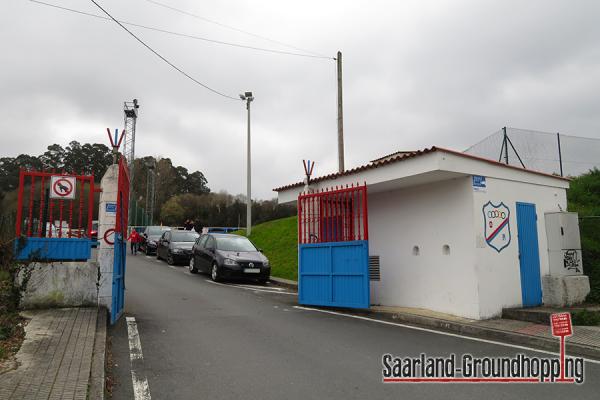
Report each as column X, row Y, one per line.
column 134, row 239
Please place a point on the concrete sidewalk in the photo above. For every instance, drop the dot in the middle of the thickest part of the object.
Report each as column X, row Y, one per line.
column 536, row 334
column 584, row 342
column 55, row 360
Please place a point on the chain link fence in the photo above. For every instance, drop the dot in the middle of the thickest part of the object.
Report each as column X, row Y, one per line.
column 540, row 151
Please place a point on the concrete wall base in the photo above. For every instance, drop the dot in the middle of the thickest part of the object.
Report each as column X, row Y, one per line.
column 560, row 291
column 62, row 284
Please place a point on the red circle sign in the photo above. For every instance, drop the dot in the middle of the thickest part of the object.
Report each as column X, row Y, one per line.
column 106, row 234
column 62, row 187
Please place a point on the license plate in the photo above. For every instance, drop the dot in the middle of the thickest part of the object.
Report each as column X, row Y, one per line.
column 252, row 270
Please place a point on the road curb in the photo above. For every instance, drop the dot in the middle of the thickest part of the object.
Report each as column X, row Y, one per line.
column 97, row 372
column 487, row 333
column 284, row 282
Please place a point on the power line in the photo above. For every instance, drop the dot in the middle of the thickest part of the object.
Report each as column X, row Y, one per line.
column 163, row 58
column 235, row 29
column 179, row 33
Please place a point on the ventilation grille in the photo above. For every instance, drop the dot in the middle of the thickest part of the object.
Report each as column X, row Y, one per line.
column 374, row 271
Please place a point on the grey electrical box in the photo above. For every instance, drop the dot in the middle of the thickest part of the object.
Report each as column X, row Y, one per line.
column 564, row 243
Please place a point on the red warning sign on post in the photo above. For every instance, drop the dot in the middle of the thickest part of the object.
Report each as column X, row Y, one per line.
column 561, row 324
column 62, row 187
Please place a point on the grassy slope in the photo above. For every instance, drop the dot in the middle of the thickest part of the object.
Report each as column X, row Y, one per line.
column 279, row 241
column 584, row 198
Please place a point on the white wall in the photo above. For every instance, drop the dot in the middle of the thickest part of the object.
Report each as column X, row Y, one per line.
column 106, row 221
column 498, row 273
column 430, row 217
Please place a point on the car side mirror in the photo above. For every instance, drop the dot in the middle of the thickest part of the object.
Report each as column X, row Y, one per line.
column 261, row 250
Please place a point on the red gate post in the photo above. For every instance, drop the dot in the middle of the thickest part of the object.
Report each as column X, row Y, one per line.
column 365, row 211
column 20, row 202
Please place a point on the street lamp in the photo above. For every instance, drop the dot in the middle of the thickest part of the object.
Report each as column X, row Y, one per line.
column 247, row 96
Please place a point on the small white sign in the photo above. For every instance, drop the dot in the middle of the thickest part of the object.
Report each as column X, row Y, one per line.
column 110, row 208
column 63, row 187
column 479, row 184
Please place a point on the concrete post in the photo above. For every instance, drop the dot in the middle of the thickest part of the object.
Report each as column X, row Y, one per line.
column 107, row 214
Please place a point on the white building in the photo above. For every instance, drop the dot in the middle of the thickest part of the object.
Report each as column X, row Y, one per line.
column 445, row 227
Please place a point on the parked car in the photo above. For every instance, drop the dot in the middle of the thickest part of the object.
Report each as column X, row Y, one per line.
column 226, row 256
column 219, row 229
column 176, row 246
column 150, row 236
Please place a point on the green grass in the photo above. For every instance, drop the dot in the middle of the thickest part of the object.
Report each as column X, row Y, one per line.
column 279, row 241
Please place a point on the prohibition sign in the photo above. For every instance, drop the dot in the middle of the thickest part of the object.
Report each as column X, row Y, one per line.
column 63, row 187
column 107, row 234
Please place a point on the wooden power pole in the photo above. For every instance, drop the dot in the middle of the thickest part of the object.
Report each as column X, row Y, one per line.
column 340, row 117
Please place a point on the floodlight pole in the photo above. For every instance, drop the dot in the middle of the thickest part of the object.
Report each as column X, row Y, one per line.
column 248, row 97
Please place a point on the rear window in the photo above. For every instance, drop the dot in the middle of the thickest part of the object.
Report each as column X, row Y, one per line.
column 183, row 236
column 156, row 230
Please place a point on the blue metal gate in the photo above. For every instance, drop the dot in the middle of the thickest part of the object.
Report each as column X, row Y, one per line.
column 118, row 283
column 529, row 255
column 333, row 248
column 120, row 245
column 334, row 274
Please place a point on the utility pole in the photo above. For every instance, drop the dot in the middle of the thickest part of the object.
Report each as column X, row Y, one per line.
column 340, row 111
column 150, row 190
column 248, row 97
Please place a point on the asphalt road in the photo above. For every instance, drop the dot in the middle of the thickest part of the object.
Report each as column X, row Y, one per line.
column 202, row 340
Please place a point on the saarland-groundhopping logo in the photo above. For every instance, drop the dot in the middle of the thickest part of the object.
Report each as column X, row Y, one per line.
column 470, row 369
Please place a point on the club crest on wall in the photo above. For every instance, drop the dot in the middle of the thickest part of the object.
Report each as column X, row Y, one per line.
column 496, row 219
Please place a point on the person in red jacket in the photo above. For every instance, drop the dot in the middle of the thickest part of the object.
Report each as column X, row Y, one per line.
column 134, row 239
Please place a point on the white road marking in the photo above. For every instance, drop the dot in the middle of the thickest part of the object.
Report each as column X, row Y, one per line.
column 148, row 256
column 438, row 332
column 250, row 288
column 141, row 390
column 260, row 287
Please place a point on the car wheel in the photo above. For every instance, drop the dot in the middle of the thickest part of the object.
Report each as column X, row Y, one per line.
column 146, row 251
column 157, row 254
column 170, row 259
column 192, row 266
column 214, row 273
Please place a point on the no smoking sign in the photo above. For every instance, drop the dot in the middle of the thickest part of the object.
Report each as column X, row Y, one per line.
column 62, row 187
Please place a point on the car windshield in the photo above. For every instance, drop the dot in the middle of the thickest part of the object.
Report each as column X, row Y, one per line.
column 155, row 230
column 183, row 236
column 234, row 243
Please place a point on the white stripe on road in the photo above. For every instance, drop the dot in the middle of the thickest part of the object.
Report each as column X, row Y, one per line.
column 141, row 390
column 437, row 332
column 250, row 288
column 259, row 287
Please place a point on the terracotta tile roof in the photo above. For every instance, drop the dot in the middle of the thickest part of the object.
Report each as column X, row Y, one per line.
column 404, row 156
column 396, row 153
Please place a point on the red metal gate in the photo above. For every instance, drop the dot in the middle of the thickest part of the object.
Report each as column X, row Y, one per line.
column 333, row 248
column 123, row 198
column 333, row 215
column 54, row 229
column 120, row 245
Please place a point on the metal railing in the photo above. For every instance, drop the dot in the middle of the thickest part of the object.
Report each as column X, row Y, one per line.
column 333, row 215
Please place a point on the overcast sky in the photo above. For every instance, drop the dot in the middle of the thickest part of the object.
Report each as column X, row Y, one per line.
column 416, row 74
